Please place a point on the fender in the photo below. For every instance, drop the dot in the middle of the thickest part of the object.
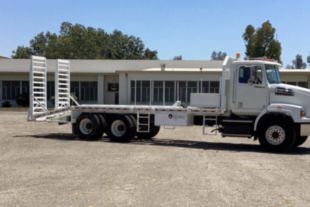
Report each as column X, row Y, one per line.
column 290, row 110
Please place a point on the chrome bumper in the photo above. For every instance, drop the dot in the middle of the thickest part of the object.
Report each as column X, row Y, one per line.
column 304, row 129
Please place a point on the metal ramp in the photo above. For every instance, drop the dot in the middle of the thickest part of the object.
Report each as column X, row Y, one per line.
column 143, row 122
column 38, row 102
column 38, row 110
column 62, row 84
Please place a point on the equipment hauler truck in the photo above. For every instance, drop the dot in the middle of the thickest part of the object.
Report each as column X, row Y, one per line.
column 252, row 102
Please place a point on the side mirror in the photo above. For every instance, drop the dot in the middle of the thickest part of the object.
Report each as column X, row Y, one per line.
column 255, row 75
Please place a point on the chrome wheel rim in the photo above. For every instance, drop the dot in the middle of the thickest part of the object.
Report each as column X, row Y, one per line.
column 275, row 135
column 86, row 126
column 118, row 128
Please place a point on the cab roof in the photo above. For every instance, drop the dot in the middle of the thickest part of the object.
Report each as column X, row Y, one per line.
column 267, row 61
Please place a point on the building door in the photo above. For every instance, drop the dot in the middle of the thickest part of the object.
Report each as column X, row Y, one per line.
column 111, row 89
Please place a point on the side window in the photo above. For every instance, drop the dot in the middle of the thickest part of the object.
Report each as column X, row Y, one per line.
column 252, row 75
column 244, row 74
column 256, row 76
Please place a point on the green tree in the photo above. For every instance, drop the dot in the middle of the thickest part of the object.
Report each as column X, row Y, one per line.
column 298, row 63
column 218, row 55
column 76, row 41
column 308, row 60
column 261, row 42
column 178, row 57
column 22, row 52
column 150, row 54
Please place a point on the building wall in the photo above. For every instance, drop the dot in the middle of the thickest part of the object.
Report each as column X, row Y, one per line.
column 299, row 80
column 108, row 94
column 22, row 79
column 150, row 93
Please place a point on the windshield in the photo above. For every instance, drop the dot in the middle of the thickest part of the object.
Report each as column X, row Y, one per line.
column 273, row 75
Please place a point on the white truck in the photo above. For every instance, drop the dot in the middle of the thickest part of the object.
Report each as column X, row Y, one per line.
column 252, row 102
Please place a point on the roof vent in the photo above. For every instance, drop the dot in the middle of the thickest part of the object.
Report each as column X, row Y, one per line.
column 162, row 67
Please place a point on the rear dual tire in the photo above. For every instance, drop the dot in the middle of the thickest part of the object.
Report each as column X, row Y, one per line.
column 121, row 128
column 89, row 126
column 300, row 140
column 154, row 130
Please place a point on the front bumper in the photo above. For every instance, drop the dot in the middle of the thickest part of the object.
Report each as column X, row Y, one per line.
column 305, row 129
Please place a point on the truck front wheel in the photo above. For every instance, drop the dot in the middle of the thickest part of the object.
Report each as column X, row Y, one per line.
column 277, row 136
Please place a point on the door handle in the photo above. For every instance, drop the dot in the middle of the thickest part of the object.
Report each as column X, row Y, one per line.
column 258, row 86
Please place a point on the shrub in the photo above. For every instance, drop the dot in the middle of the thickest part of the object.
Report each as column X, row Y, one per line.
column 6, row 104
column 22, row 99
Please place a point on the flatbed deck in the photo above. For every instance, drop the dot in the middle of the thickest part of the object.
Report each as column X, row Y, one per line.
column 152, row 109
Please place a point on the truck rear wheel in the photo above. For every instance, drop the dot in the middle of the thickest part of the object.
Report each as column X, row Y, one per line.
column 154, row 130
column 121, row 129
column 277, row 136
column 88, row 127
column 300, row 140
column 103, row 125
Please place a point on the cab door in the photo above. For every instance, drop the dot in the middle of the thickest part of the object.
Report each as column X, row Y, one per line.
column 250, row 90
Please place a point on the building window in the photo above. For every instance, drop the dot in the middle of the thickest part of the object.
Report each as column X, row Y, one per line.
column 74, row 89
column 25, row 87
column 292, row 83
column 170, row 95
column 191, row 88
column 50, row 90
column 205, row 87
column 214, row 86
column 132, row 91
column 182, row 91
column 88, row 91
column 145, row 91
column 84, row 90
column 10, row 89
column 140, row 92
column 167, row 92
column 302, row 84
column 158, row 92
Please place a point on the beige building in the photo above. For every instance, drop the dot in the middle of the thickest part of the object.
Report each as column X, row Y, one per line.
column 128, row 81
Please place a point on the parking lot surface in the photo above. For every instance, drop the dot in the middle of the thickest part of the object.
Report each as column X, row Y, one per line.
column 42, row 164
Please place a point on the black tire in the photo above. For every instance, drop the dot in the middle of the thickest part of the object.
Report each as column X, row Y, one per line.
column 154, row 130
column 103, row 125
column 121, row 129
column 147, row 135
column 300, row 140
column 88, row 127
column 277, row 136
column 74, row 132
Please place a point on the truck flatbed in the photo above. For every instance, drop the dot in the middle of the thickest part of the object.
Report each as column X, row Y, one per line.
column 152, row 109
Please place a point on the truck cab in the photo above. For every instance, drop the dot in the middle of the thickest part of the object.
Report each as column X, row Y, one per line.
column 251, row 84
column 278, row 111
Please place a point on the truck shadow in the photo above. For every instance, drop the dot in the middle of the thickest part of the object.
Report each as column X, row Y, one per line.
column 166, row 142
column 203, row 145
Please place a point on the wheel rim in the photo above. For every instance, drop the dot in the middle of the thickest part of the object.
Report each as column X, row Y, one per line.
column 86, row 126
column 275, row 135
column 118, row 128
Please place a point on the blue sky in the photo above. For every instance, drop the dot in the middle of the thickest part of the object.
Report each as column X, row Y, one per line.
column 192, row 29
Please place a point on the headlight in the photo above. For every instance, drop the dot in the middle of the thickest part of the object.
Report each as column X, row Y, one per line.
column 302, row 113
